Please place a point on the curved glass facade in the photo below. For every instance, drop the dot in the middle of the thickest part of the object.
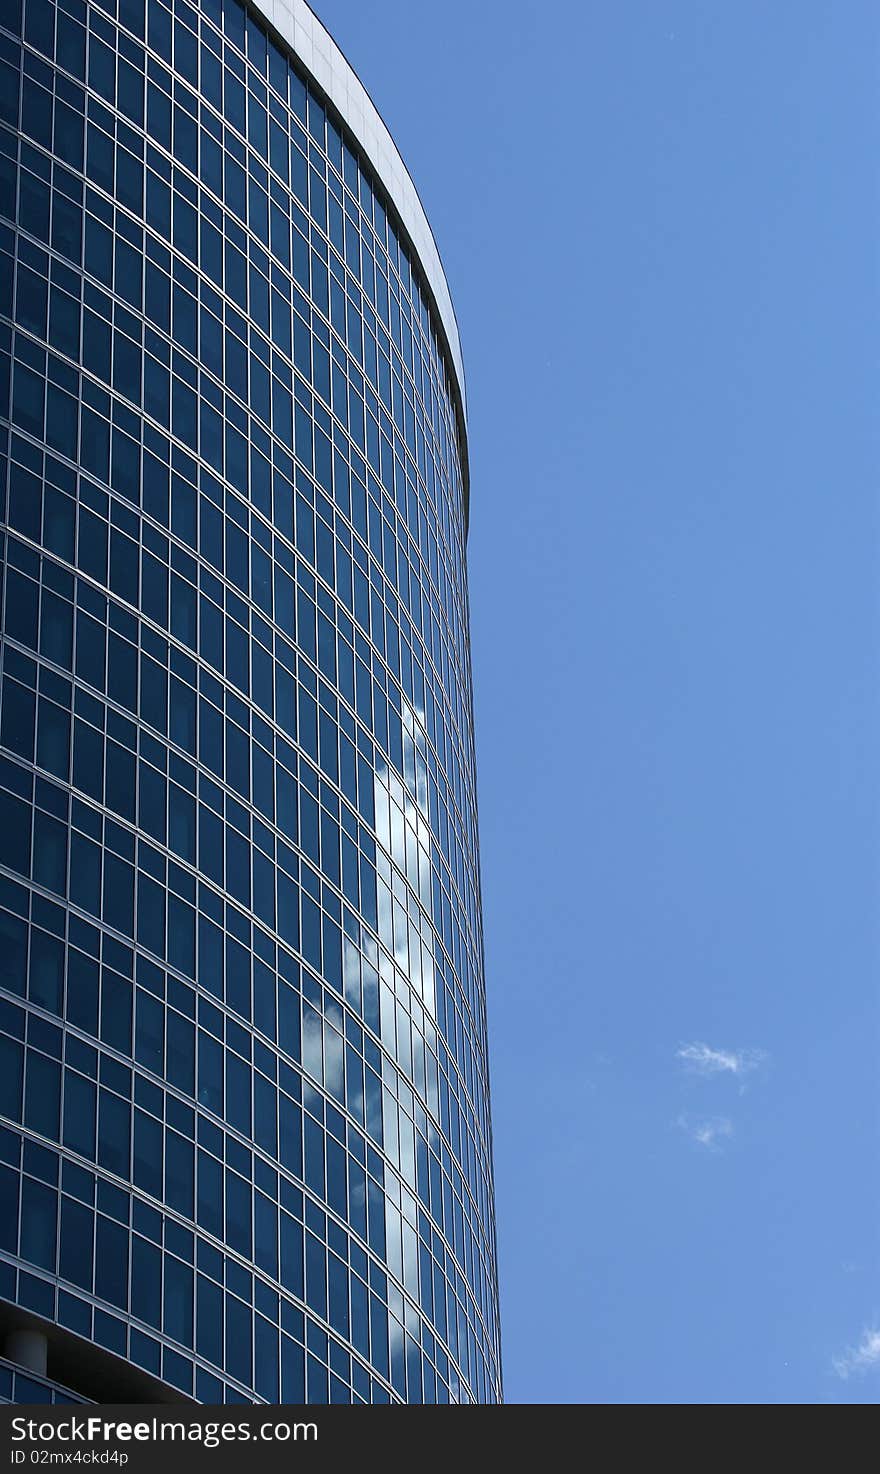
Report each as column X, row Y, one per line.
column 245, row 1140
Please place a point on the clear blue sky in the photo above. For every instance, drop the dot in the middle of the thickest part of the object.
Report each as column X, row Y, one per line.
column 660, row 226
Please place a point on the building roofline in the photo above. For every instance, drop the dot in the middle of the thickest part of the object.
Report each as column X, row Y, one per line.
column 311, row 43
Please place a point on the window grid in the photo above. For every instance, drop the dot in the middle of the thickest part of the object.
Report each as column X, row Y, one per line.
column 238, row 850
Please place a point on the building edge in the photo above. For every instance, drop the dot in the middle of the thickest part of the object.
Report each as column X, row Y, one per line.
column 308, row 41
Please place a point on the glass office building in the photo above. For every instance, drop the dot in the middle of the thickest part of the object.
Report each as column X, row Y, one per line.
column 245, row 1145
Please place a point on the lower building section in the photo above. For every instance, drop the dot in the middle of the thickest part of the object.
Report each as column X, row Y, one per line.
column 18, row 1385
column 41, row 1361
column 117, row 1291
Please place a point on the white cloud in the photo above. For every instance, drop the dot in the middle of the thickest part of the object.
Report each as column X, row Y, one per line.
column 859, row 1358
column 703, row 1060
column 709, row 1132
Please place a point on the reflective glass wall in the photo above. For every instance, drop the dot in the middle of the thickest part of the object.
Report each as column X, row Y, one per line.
column 244, row 1124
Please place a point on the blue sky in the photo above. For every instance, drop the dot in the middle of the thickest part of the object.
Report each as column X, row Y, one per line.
column 659, row 222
